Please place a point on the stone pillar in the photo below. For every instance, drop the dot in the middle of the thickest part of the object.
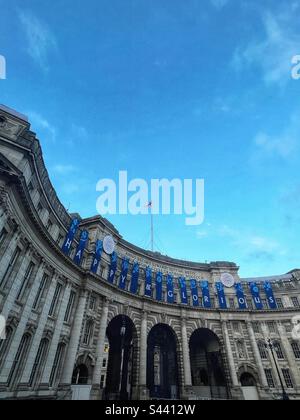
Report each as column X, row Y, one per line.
column 233, row 373
column 294, row 370
column 74, row 340
column 95, row 394
column 186, row 355
column 3, row 218
column 257, row 357
column 143, row 358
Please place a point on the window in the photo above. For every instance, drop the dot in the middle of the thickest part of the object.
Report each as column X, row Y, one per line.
column 287, row 378
column 102, row 381
column 39, row 362
column 40, row 292
column 88, row 332
column 279, row 303
column 4, row 344
column 295, row 302
column 272, row 327
column 93, row 303
column 59, row 239
column 10, row 267
column 3, row 235
column 296, row 350
column 57, row 364
column 249, row 304
column 236, row 326
column 25, row 280
column 262, row 350
column 106, row 348
column 39, row 208
column 70, row 307
column 30, row 187
column 55, row 299
column 232, row 303
column 104, row 363
column 49, row 225
column 256, row 327
column 19, row 360
column 278, row 350
column 270, row 379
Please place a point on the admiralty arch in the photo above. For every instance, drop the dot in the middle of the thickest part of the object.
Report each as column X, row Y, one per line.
column 84, row 322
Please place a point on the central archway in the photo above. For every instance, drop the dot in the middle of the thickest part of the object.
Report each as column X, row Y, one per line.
column 208, row 374
column 162, row 363
column 121, row 371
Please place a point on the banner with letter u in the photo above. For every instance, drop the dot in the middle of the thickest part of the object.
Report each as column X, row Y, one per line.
column 183, row 291
column 70, row 237
column 113, row 267
column 148, row 282
column 206, row 294
column 135, row 278
column 270, row 295
column 240, row 296
column 97, row 257
column 81, row 247
column 256, row 296
column 194, row 291
column 221, row 295
column 159, row 283
column 124, row 273
column 170, row 289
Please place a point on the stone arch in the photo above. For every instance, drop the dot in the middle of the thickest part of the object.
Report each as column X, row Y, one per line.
column 83, row 371
column 248, row 370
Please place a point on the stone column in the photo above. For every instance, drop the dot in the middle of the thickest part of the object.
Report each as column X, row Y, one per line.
column 74, row 340
column 95, row 395
column 186, row 355
column 257, row 357
column 229, row 353
column 3, row 218
column 143, row 357
column 294, row 370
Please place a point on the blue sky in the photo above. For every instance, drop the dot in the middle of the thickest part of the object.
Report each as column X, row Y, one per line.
column 164, row 89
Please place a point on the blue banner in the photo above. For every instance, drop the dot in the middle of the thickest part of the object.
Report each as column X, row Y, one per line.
column 183, row 291
column 240, row 296
column 113, row 267
column 170, row 289
column 270, row 295
column 148, row 282
column 135, row 278
column 81, row 247
column 221, row 295
column 124, row 273
column 205, row 294
column 97, row 257
column 256, row 296
column 194, row 290
column 70, row 237
column 159, row 288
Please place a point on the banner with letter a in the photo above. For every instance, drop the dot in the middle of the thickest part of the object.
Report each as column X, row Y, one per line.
column 113, row 267
column 270, row 295
column 124, row 273
column 70, row 237
column 135, row 278
column 194, row 290
column 170, row 289
column 221, row 295
column 240, row 296
column 81, row 247
column 148, row 282
column 97, row 257
column 256, row 296
column 206, row 294
column 183, row 291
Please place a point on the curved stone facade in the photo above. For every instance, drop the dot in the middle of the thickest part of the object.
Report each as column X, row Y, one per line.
column 63, row 321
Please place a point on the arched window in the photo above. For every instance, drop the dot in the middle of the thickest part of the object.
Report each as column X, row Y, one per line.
column 296, row 349
column 39, row 362
column 262, row 350
column 19, row 361
column 80, row 375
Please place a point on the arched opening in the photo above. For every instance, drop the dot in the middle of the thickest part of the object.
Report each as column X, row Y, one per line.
column 80, row 375
column 121, row 371
column 162, row 364
column 208, row 373
column 247, row 380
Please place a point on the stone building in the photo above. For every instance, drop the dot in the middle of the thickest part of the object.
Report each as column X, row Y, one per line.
column 71, row 333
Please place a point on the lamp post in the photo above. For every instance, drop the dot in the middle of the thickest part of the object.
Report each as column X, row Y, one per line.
column 122, row 335
column 270, row 345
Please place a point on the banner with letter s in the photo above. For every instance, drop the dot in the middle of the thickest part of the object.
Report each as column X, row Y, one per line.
column 183, row 291
column 70, row 237
column 81, row 247
column 124, row 273
column 97, row 257
column 170, row 289
column 256, row 296
column 148, row 282
column 221, row 295
column 240, row 296
column 270, row 295
column 135, row 278
column 206, row 294
column 113, row 267
column 194, row 291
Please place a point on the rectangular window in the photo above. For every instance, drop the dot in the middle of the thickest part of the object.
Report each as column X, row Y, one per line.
column 49, row 225
column 279, row 303
column 278, row 350
column 25, row 280
column 88, row 332
column 236, row 326
column 70, row 307
column 270, row 379
column 56, row 365
column 296, row 350
column 102, row 381
column 92, row 303
column 104, row 363
column 19, row 360
column 272, row 327
column 55, row 299
column 295, row 302
column 256, row 327
column 59, row 239
column 40, row 292
column 10, row 267
column 3, row 235
column 287, row 378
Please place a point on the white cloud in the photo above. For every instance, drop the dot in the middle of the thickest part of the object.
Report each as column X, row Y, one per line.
column 274, row 51
column 39, row 123
column 40, row 40
column 63, row 169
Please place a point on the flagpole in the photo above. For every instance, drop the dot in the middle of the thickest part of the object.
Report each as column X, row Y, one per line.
column 152, row 232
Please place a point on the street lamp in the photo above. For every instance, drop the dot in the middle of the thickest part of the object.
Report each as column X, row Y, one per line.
column 122, row 335
column 270, row 345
